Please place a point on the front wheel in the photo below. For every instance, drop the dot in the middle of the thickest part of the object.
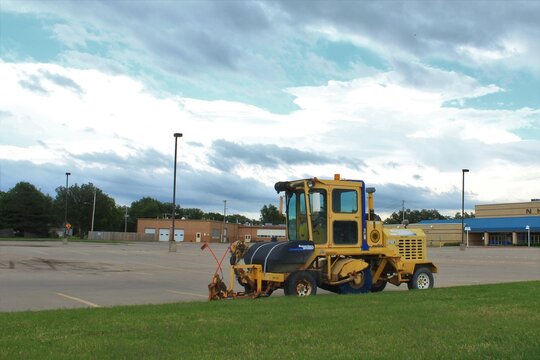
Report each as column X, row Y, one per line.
column 421, row 280
column 300, row 283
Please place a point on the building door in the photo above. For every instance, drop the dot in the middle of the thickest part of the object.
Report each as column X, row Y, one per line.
column 178, row 234
column 198, row 237
column 164, row 234
column 247, row 238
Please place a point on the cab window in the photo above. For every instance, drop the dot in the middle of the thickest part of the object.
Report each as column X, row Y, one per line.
column 344, row 201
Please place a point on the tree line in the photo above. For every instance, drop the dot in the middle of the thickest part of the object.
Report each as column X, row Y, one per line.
column 26, row 211
column 415, row 216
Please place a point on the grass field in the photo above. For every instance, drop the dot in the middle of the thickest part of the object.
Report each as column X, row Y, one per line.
column 475, row 322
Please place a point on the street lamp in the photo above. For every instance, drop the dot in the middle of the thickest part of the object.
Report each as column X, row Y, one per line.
column 172, row 243
column 463, row 171
column 66, row 208
column 224, row 232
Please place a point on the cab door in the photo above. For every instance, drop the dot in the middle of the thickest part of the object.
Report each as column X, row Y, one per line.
column 346, row 220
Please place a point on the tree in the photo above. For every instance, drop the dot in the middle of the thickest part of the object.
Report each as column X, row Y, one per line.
column 240, row 219
column 466, row 215
column 190, row 213
column 146, row 207
column 270, row 215
column 80, row 209
column 213, row 216
column 414, row 216
column 26, row 209
column 3, row 224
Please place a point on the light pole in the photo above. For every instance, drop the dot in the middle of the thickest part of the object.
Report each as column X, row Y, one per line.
column 172, row 243
column 66, row 208
column 463, row 171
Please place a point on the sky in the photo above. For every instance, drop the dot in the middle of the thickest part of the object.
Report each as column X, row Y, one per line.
column 400, row 94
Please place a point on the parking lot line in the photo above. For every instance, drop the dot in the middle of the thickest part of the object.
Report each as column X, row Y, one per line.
column 91, row 304
column 188, row 293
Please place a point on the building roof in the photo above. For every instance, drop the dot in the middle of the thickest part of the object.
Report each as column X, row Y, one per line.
column 500, row 224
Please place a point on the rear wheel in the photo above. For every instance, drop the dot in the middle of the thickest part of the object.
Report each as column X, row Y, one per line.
column 300, row 283
column 359, row 285
column 421, row 280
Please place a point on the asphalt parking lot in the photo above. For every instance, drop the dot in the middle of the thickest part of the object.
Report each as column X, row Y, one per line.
column 49, row 275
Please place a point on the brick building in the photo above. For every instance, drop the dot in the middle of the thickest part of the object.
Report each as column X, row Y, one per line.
column 208, row 230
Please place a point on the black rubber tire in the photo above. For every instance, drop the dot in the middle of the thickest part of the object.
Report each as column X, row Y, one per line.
column 363, row 288
column 300, row 283
column 421, row 280
column 378, row 286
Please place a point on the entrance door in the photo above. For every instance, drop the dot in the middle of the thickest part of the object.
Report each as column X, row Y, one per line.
column 164, row 234
column 198, row 237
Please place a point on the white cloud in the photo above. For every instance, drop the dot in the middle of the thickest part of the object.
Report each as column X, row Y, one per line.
column 374, row 120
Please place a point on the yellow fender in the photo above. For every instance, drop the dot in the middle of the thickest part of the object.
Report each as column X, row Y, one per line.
column 343, row 268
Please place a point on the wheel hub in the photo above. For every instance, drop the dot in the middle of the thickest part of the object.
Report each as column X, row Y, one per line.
column 423, row 281
column 303, row 288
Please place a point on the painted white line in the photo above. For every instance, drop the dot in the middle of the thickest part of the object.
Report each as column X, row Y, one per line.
column 91, row 304
column 188, row 293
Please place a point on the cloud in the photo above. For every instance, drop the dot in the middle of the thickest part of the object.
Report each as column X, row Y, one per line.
column 227, row 155
column 250, row 51
column 62, row 81
column 460, row 31
column 269, row 91
column 33, row 83
column 381, row 129
column 38, row 81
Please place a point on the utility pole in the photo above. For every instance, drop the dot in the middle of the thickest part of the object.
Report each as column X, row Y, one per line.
column 224, row 217
column 94, row 210
column 125, row 219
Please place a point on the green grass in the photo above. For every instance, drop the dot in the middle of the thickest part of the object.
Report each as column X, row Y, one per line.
column 474, row 322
